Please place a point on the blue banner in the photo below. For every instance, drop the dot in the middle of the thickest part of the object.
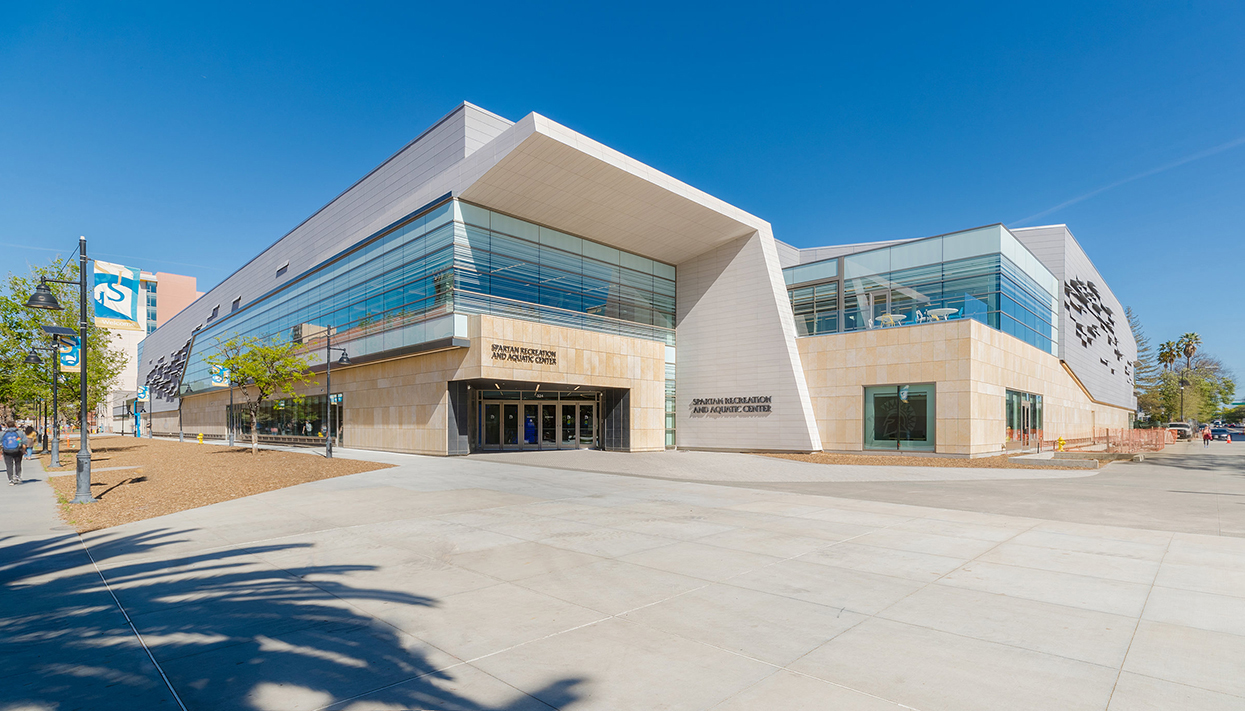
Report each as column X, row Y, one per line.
column 116, row 297
column 70, row 354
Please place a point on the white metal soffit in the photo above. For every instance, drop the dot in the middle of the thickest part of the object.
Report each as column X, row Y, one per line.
column 558, row 178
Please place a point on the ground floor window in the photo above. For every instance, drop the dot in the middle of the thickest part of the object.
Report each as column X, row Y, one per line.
column 1024, row 419
column 308, row 417
column 900, row 417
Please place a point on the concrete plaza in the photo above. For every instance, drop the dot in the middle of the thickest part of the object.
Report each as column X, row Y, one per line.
column 491, row 583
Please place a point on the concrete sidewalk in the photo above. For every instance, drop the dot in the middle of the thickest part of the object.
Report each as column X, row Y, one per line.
column 484, row 585
column 732, row 468
column 64, row 643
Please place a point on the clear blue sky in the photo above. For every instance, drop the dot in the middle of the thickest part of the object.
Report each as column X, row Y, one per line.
column 186, row 138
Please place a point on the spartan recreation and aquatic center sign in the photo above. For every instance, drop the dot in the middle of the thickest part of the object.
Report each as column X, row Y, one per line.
column 520, row 354
column 754, row 405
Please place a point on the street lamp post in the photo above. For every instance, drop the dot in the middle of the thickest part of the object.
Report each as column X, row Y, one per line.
column 44, row 299
column 328, row 387
column 34, row 359
column 229, row 424
column 181, row 433
column 1183, row 383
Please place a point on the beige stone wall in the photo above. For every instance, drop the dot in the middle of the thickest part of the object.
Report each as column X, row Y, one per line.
column 972, row 366
column 401, row 405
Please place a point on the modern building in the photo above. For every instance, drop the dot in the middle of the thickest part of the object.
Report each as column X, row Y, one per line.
column 517, row 285
column 161, row 296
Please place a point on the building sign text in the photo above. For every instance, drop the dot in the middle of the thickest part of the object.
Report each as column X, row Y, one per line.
column 757, row 404
column 519, row 354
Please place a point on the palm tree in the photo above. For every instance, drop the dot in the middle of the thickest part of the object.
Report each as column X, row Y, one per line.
column 1188, row 344
column 1167, row 354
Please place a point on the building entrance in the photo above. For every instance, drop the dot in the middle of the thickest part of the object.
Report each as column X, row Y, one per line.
column 508, row 420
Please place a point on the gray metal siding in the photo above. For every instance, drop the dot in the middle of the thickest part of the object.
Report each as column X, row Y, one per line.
column 1091, row 354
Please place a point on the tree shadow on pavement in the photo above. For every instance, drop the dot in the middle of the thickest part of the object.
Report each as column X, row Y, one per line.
column 229, row 630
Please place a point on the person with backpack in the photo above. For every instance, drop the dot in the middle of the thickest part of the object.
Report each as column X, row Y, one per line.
column 14, row 445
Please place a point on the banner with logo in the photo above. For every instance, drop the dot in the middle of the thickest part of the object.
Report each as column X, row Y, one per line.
column 70, row 354
column 116, row 295
column 220, row 377
column 142, row 394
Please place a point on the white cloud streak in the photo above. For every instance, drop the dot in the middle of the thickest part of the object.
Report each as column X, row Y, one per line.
column 1153, row 171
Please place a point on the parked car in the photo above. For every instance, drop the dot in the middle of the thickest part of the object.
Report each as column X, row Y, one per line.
column 1220, row 433
column 1183, row 430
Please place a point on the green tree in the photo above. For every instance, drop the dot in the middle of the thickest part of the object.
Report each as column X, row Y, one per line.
column 21, row 328
column 1187, row 346
column 260, row 368
column 1236, row 414
column 1167, row 354
column 1145, row 370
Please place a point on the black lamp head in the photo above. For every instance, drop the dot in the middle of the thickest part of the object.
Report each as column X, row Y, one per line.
column 32, row 358
column 43, row 298
column 344, row 360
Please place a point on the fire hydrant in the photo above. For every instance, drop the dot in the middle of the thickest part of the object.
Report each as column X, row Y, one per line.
column 200, row 438
column 1059, row 443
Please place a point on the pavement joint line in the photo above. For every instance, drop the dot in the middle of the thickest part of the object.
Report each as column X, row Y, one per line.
column 1140, row 616
column 1187, row 685
column 878, row 614
column 133, row 629
column 607, row 618
column 707, row 644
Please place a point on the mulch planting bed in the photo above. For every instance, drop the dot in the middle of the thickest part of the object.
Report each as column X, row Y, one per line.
column 174, row 476
column 899, row 460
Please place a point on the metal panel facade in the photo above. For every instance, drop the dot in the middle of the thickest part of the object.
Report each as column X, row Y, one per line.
column 1095, row 340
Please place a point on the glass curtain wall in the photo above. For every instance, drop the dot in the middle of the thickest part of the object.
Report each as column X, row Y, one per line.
column 510, row 259
column 983, row 274
column 417, row 282
column 405, row 287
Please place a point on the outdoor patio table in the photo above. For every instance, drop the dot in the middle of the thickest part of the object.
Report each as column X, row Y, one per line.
column 892, row 319
column 941, row 314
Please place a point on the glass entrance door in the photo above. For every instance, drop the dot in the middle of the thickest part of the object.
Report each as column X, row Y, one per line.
column 491, row 426
column 548, row 426
column 570, row 438
column 587, row 426
column 510, row 424
column 520, row 423
column 1024, row 420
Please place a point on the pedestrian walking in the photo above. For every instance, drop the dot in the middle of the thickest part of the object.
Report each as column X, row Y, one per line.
column 30, row 441
column 13, row 445
column 1206, row 437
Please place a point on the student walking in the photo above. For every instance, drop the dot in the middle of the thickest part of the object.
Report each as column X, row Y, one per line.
column 1206, row 437
column 31, row 440
column 14, row 445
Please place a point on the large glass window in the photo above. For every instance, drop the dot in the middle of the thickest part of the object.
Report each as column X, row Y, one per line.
column 816, row 309
column 307, row 417
column 900, row 417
